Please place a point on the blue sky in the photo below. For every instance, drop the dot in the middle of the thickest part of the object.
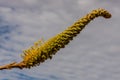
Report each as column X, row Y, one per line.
column 92, row 55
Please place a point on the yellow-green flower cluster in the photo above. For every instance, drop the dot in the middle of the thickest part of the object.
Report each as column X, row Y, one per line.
column 40, row 52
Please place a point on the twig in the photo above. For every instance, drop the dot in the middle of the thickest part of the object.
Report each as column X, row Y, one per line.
column 20, row 65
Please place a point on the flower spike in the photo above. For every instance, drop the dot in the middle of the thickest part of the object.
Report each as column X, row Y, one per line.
column 40, row 52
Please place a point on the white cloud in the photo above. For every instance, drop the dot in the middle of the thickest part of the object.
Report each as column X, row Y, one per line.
column 86, row 3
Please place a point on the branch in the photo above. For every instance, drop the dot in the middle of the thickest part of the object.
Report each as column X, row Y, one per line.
column 20, row 65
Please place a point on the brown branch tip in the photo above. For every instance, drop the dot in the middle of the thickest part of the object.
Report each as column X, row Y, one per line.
column 20, row 65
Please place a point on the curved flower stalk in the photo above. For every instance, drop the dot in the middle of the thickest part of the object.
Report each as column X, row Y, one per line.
column 40, row 51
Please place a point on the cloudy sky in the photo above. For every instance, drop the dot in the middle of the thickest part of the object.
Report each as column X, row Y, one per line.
column 93, row 55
